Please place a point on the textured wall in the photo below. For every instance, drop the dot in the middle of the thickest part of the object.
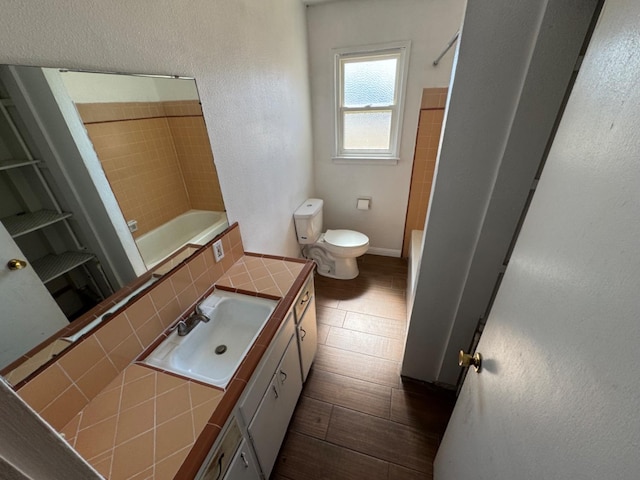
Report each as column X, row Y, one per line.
column 500, row 115
column 559, row 397
column 249, row 58
column 429, row 24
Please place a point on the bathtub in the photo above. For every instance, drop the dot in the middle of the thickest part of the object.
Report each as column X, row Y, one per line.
column 193, row 226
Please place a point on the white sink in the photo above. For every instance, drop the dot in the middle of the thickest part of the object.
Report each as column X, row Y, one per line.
column 235, row 322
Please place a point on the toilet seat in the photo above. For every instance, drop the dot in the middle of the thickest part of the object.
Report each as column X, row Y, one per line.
column 345, row 238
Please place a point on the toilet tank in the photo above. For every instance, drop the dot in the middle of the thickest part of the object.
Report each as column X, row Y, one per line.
column 308, row 221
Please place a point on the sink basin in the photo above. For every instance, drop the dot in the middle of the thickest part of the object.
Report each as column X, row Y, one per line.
column 212, row 351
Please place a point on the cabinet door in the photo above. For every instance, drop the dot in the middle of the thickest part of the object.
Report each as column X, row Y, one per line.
column 307, row 332
column 271, row 420
column 243, row 466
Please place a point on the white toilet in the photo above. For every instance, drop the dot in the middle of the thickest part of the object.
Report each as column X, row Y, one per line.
column 334, row 251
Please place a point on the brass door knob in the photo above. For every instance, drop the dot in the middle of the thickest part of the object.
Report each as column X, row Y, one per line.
column 466, row 360
column 15, row 264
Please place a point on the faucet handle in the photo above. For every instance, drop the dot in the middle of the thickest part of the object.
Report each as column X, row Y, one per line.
column 177, row 325
column 198, row 311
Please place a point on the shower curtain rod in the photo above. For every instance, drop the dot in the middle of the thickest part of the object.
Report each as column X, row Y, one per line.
column 446, row 49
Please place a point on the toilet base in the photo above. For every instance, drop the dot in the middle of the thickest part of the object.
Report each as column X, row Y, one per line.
column 330, row 266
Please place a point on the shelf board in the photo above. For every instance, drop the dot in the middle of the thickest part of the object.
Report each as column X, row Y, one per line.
column 9, row 164
column 52, row 266
column 25, row 223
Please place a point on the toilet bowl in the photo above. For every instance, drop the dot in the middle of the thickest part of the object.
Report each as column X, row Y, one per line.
column 334, row 251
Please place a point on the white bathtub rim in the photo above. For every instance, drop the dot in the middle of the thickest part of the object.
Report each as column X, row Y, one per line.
column 154, row 254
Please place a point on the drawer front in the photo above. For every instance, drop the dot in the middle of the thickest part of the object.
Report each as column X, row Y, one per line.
column 262, row 376
column 304, row 298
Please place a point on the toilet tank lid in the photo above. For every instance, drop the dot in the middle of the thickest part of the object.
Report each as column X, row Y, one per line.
column 309, row 208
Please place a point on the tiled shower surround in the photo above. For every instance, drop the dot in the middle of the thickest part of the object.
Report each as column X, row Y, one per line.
column 424, row 161
column 156, row 156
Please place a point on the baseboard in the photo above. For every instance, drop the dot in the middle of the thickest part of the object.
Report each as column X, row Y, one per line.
column 385, row 252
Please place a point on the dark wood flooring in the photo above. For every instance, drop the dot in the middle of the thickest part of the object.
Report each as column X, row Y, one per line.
column 356, row 418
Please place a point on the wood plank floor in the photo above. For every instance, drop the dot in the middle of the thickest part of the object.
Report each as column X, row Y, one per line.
column 356, row 418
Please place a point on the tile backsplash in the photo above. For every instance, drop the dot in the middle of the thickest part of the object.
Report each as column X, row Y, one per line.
column 78, row 374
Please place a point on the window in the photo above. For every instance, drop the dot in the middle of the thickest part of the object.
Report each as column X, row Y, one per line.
column 370, row 84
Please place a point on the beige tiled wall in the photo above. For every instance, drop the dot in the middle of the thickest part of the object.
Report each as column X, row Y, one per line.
column 157, row 158
column 139, row 160
column 196, row 162
column 82, row 371
column 424, row 161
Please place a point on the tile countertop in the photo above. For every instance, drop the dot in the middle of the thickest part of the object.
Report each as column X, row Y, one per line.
column 152, row 424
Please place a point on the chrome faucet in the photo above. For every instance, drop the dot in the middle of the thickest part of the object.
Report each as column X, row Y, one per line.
column 185, row 326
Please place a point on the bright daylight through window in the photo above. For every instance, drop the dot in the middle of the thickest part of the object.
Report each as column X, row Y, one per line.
column 369, row 102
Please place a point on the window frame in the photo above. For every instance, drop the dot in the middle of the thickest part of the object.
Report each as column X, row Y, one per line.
column 399, row 50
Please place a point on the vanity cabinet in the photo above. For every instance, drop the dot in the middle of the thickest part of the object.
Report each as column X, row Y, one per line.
column 266, row 406
column 269, row 425
column 306, row 327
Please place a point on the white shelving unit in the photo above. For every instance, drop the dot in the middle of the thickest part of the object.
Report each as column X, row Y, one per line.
column 59, row 260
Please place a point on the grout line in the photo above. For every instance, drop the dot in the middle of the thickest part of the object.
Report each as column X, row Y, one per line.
column 328, row 442
column 115, row 433
column 365, row 354
column 369, row 333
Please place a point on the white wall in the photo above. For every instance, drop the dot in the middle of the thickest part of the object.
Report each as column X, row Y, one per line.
column 91, row 87
column 513, row 68
column 249, row 59
column 559, row 397
column 429, row 24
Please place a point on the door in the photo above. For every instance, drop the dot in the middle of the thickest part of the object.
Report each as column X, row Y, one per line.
column 28, row 313
column 558, row 394
column 269, row 425
column 308, row 338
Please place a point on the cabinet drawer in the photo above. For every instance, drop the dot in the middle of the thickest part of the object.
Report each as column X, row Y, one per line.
column 303, row 299
column 262, row 376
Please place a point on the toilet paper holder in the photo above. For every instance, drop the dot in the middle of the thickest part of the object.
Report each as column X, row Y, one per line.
column 363, row 203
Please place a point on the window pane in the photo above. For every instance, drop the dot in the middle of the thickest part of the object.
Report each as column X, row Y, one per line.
column 370, row 83
column 367, row 130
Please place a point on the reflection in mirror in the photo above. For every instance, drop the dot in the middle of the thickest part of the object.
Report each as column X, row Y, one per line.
column 102, row 177
column 151, row 140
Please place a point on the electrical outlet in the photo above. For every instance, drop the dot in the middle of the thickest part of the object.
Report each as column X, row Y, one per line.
column 218, row 251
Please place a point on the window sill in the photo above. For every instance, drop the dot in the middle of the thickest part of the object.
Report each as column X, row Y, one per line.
column 365, row 160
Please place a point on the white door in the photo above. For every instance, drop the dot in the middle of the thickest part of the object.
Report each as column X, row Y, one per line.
column 559, row 395
column 308, row 338
column 269, row 425
column 28, row 313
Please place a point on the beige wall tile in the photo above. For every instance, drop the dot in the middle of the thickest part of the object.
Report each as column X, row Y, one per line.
column 43, row 389
column 429, row 129
column 62, row 410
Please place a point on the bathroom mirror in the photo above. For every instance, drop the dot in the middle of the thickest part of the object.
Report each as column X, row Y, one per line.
column 123, row 167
